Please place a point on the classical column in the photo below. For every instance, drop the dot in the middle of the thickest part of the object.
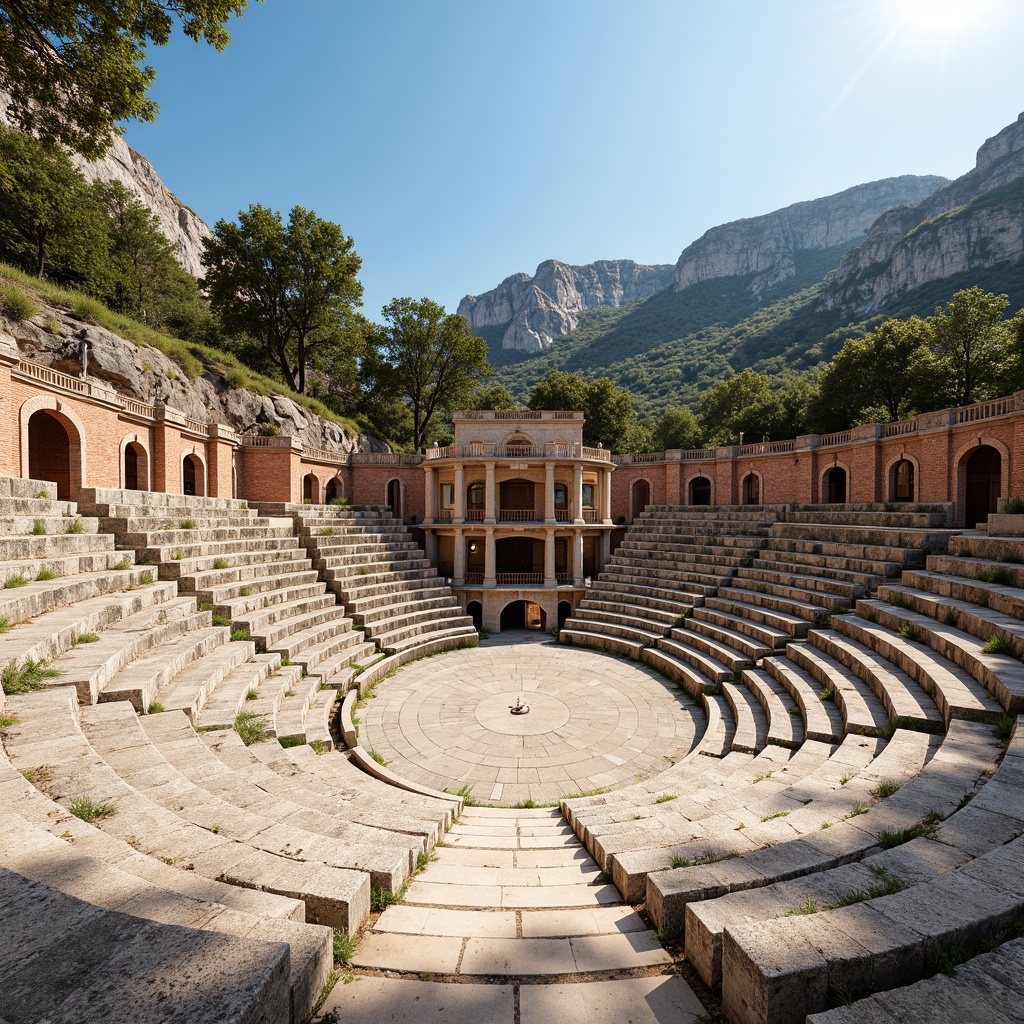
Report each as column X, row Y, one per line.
column 429, row 495
column 430, row 547
column 459, row 569
column 606, row 548
column 459, row 513
column 577, row 494
column 490, row 496
column 490, row 576
column 577, row 558
column 550, row 579
column 549, row 492
column 606, row 496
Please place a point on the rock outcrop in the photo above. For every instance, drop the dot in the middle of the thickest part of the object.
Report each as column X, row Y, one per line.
column 766, row 246
column 973, row 222
column 536, row 310
column 121, row 163
column 52, row 339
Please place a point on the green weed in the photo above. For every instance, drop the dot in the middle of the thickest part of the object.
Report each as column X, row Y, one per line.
column 250, row 726
column 30, row 676
column 87, row 809
column 155, row 707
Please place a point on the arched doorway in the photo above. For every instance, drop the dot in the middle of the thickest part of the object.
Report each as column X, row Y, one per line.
column 49, row 452
column 334, row 490
column 564, row 611
column 394, row 498
column 751, row 489
column 901, row 481
column 476, row 611
column 700, row 491
column 523, row 615
column 640, row 497
column 310, row 489
column 983, row 477
column 136, row 467
column 193, row 475
column 834, row 486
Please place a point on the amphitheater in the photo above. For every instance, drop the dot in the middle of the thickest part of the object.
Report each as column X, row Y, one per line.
column 255, row 751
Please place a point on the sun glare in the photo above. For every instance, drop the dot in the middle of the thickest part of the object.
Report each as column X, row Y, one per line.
column 940, row 17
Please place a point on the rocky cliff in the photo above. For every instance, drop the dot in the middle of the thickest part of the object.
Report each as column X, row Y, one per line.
column 121, row 163
column 971, row 223
column 536, row 310
column 766, row 246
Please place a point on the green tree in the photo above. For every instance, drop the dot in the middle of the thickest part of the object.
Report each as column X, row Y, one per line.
column 427, row 357
column 746, row 404
column 969, row 345
column 75, row 70
column 610, row 418
column 1013, row 333
column 676, row 427
column 494, row 396
column 50, row 222
column 293, row 287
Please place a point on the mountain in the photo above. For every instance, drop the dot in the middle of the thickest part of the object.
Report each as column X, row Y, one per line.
column 525, row 314
column 971, row 224
column 182, row 227
column 532, row 311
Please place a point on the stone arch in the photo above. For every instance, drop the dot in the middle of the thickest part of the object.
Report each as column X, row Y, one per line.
column 902, row 477
column 311, row 489
column 639, row 496
column 193, row 473
column 523, row 615
column 752, row 489
column 834, row 484
column 135, row 463
column 700, row 490
column 394, row 496
column 999, row 484
column 335, row 488
column 564, row 611
column 476, row 611
column 73, row 463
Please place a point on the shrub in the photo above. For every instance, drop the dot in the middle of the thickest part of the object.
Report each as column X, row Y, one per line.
column 250, row 726
column 15, row 304
column 999, row 643
column 252, row 693
column 240, row 634
column 689, row 862
column 1014, row 506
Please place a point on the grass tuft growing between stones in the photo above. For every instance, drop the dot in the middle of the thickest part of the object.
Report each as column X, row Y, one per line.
column 155, row 708
column 250, row 726
column 665, row 797
column 344, row 947
column 17, row 580
column 999, row 643
column 30, row 676
column 379, row 758
column 885, row 788
column 87, row 809
column 927, row 828
column 690, row 862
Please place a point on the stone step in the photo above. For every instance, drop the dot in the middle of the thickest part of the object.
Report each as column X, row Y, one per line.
column 283, row 636
column 788, row 612
column 50, row 521
column 221, row 704
column 583, row 637
column 190, row 688
column 278, row 591
column 93, row 497
column 720, row 645
column 188, row 538
column 648, row 612
column 200, row 573
column 411, row 616
column 863, row 713
column 855, row 572
column 716, row 670
column 52, row 547
column 659, row 625
column 678, row 670
column 685, row 584
column 780, row 579
column 260, row 619
column 751, row 733
column 887, row 537
column 894, row 518
column 633, row 634
column 194, row 557
column 432, row 639
column 1007, row 550
column 784, row 721
column 316, row 641
column 822, row 719
column 762, row 630
column 664, row 598
column 956, row 693
column 960, row 568
column 422, row 597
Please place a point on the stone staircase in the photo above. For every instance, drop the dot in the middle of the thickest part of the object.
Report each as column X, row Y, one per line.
column 388, row 587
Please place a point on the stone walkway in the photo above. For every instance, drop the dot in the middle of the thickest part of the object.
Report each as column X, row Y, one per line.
column 512, row 923
column 595, row 721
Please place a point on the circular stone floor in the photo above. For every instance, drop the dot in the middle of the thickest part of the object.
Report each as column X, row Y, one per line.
column 595, row 721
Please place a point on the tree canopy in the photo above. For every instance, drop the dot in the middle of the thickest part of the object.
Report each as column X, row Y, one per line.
column 425, row 356
column 290, row 286
column 75, row 70
column 610, row 416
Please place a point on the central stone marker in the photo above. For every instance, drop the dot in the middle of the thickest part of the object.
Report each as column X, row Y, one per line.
column 595, row 722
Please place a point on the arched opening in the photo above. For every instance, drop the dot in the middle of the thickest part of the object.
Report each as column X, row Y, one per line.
column 901, row 481
column 564, row 611
column 834, row 486
column 640, row 497
column 983, row 476
column 751, row 489
column 519, row 445
column 561, row 503
column 394, row 499
column 334, row 490
column 49, row 452
column 193, row 475
column 516, row 499
column 700, row 491
column 523, row 615
column 476, row 611
column 310, row 489
column 136, row 467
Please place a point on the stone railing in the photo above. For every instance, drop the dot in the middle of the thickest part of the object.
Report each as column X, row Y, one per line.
column 487, row 450
column 517, row 414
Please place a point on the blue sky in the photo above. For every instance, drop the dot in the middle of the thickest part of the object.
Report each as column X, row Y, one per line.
column 462, row 141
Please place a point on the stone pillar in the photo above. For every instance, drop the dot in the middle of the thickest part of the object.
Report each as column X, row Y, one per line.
column 459, row 569
column 549, row 492
column 577, row 558
column 606, row 548
column 550, row 579
column 606, row 496
column 430, row 547
column 490, row 495
column 490, row 560
column 459, row 512
column 577, row 494
column 429, row 494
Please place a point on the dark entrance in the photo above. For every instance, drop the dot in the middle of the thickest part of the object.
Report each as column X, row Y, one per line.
column 751, row 489
column 835, row 486
column 564, row 611
column 476, row 610
column 984, row 472
column 700, row 491
column 131, row 467
column 49, row 452
column 522, row 615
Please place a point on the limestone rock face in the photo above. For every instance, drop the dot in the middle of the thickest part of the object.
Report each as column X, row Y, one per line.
column 135, row 371
column 539, row 309
column 121, row 163
column 975, row 221
column 766, row 246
